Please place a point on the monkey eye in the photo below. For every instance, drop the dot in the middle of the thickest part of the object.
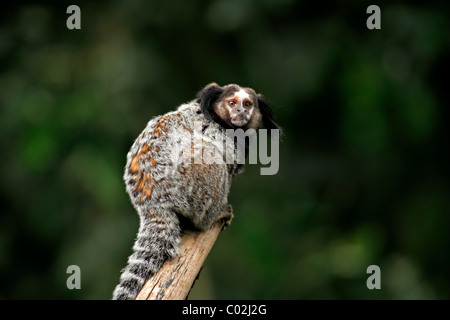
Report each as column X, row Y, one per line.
column 231, row 103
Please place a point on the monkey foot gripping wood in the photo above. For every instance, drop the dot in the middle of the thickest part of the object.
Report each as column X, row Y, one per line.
column 175, row 279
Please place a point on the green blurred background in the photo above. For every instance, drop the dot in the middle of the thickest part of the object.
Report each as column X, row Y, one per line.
column 364, row 162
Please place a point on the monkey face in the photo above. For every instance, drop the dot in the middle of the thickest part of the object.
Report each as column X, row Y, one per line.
column 240, row 107
column 235, row 107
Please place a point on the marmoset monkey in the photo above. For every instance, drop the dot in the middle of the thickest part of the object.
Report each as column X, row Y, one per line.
column 167, row 184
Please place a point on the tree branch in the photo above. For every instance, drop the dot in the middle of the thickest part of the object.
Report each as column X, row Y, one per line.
column 176, row 277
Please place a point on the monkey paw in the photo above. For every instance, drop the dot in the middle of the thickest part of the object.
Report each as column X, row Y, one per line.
column 226, row 215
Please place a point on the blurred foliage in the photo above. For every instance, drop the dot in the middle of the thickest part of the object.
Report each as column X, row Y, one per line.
column 364, row 162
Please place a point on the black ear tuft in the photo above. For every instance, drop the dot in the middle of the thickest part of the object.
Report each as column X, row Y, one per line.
column 267, row 115
column 208, row 96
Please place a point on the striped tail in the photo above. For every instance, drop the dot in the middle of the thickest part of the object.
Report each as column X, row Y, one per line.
column 157, row 241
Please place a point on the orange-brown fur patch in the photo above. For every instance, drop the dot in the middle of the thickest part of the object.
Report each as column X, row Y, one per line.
column 140, row 184
column 158, row 221
column 144, row 182
column 144, row 186
column 135, row 162
column 134, row 166
column 161, row 125
column 147, row 192
column 184, row 127
column 151, row 214
column 145, row 148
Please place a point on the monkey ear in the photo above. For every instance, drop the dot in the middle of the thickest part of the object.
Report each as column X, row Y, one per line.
column 267, row 115
column 208, row 96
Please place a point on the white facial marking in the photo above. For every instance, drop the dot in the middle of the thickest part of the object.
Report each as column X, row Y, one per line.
column 250, row 112
column 241, row 94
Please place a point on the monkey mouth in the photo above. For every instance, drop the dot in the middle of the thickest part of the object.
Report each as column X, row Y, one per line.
column 238, row 122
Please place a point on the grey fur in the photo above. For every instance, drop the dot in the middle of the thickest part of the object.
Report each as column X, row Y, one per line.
column 166, row 185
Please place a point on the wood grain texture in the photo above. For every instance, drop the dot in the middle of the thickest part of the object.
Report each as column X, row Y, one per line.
column 175, row 279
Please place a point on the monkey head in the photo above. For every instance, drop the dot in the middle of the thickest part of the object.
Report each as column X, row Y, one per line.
column 235, row 107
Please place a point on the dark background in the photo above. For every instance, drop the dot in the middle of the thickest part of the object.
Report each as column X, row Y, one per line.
column 364, row 163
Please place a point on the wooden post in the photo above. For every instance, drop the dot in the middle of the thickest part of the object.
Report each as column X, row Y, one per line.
column 176, row 277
